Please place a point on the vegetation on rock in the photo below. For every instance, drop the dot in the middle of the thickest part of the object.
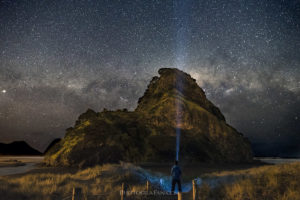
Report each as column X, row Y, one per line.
column 171, row 101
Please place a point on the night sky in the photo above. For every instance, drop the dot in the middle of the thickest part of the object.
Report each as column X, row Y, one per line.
column 60, row 57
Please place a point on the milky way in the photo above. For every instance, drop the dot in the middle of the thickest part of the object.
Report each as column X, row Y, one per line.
column 58, row 58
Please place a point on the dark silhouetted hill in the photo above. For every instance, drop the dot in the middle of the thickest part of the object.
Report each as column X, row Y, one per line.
column 18, row 148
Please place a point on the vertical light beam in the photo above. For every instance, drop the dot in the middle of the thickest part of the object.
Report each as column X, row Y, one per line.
column 181, row 14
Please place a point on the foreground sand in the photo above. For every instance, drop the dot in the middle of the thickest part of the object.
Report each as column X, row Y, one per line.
column 18, row 164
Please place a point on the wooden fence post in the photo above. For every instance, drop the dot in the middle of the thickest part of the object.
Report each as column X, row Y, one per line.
column 147, row 186
column 179, row 196
column 123, row 192
column 194, row 190
column 77, row 194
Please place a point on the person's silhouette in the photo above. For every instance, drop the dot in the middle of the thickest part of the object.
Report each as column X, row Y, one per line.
column 176, row 174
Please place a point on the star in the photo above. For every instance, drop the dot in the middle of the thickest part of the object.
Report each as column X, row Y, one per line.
column 60, row 58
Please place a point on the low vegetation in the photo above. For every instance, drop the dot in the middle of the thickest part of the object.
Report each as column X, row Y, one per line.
column 280, row 182
column 99, row 182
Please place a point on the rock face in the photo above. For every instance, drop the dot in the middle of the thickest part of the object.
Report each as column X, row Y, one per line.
column 173, row 85
column 172, row 102
column 18, row 148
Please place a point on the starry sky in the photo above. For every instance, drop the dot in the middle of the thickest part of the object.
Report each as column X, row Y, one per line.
column 60, row 57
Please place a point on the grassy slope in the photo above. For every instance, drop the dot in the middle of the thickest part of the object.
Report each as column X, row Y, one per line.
column 105, row 137
column 57, row 183
column 279, row 182
column 266, row 182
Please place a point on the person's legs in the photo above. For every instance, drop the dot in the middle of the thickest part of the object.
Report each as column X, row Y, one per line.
column 173, row 186
column 179, row 186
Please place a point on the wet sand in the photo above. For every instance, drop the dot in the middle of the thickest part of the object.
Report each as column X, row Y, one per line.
column 278, row 160
column 18, row 164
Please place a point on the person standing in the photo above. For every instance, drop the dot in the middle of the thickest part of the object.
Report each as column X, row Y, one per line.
column 176, row 175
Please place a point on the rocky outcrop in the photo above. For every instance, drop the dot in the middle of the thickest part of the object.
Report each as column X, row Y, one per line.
column 175, row 84
column 173, row 102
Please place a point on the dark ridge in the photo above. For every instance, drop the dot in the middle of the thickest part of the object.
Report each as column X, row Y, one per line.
column 18, row 148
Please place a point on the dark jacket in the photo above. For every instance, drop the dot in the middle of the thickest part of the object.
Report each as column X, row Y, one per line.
column 176, row 172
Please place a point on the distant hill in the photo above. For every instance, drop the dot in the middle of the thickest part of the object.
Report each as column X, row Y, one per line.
column 172, row 103
column 18, row 148
column 56, row 140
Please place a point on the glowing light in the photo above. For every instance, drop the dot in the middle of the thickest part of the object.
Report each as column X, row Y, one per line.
column 177, row 143
column 178, row 118
column 161, row 181
column 182, row 40
column 3, row 91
